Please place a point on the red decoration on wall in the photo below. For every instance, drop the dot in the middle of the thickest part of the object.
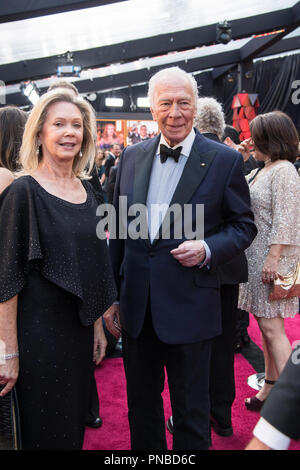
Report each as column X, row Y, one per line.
column 244, row 110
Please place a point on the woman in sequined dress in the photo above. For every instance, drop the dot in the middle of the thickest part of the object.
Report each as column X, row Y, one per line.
column 275, row 201
column 55, row 275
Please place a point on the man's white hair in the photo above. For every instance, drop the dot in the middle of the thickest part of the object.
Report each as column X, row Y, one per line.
column 210, row 117
column 164, row 75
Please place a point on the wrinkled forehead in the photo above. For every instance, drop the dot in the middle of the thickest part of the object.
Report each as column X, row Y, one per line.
column 62, row 109
column 173, row 87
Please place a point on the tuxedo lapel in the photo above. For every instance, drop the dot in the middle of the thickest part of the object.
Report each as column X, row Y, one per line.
column 195, row 170
column 143, row 164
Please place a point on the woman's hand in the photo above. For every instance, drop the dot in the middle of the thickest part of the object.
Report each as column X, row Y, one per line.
column 244, row 148
column 9, row 371
column 100, row 342
column 270, row 269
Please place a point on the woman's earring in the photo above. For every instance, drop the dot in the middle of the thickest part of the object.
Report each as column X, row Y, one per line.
column 38, row 150
column 80, row 153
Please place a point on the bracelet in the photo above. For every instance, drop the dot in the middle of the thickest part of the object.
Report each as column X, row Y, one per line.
column 6, row 357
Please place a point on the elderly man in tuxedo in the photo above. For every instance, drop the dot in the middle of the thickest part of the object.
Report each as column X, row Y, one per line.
column 169, row 293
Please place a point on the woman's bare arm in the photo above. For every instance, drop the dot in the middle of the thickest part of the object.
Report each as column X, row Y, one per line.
column 9, row 366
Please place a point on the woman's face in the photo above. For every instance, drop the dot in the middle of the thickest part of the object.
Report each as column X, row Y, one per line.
column 110, row 129
column 99, row 157
column 258, row 155
column 62, row 133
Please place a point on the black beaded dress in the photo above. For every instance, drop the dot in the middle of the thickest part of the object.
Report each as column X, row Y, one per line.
column 52, row 258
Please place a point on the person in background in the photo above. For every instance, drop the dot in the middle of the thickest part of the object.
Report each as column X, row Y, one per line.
column 279, row 422
column 12, row 122
column 100, row 160
column 109, row 136
column 211, row 123
column 232, row 139
column 297, row 162
column 115, row 152
column 297, row 166
column 133, row 135
column 143, row 132
column 112, row 181
column 275, row 200
column 57, row 280
column 64, row 84
column 169, row 301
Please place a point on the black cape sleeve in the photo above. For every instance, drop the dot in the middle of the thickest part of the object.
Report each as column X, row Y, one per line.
column 19, row 238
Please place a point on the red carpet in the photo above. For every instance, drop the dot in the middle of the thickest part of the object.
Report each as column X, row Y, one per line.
column 114, row 434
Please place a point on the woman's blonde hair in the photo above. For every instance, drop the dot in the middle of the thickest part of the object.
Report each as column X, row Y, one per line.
column 31, row 154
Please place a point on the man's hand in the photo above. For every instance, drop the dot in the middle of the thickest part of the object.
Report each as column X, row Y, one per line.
column 256, row 444
column 112, row 320
column 190, row 253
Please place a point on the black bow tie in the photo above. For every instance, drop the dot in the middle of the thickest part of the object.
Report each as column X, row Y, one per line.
column 166, row 152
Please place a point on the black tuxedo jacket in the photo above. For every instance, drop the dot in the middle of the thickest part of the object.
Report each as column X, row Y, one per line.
column 282, row 408
column 111, row 183
column 234, row 271
column 185, row 302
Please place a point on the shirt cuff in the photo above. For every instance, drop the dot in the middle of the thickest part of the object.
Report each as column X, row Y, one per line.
column 207, row 256
column 270, row 436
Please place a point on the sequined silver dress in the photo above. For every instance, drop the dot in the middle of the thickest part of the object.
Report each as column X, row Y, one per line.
column 275, row 201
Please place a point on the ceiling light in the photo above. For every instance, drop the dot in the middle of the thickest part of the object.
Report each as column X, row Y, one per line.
column 223, row 32
column 114, row 102
column 31, row 91
column 68, row 70
column 143, row 102
column 91, row 96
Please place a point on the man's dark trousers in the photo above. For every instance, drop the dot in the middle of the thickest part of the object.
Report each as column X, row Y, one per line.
column 222, row 383
column 144, row 360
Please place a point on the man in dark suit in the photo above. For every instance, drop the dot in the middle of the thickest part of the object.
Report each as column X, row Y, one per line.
column 169, row 288
column 112, row 181
column 115, row 152
column 280, row 414
column 211, row 123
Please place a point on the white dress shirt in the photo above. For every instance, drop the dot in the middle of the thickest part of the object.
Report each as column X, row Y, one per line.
column 163, row 182
column 270, row 436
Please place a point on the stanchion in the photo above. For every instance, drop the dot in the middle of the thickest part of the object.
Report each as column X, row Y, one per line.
column 256, row 381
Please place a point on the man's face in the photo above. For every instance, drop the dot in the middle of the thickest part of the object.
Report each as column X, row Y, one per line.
column 143, row 131
column 116, row 150
column 174, row 109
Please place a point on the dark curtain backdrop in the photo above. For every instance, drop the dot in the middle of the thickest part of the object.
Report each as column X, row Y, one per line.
column 272, row 80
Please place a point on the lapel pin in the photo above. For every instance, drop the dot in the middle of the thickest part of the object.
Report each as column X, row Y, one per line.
column 202, row 164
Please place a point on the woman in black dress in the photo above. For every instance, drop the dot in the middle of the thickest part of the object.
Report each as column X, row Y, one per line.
column 55, row 274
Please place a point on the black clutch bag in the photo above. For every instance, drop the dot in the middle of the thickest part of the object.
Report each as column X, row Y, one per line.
column 10, row 429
